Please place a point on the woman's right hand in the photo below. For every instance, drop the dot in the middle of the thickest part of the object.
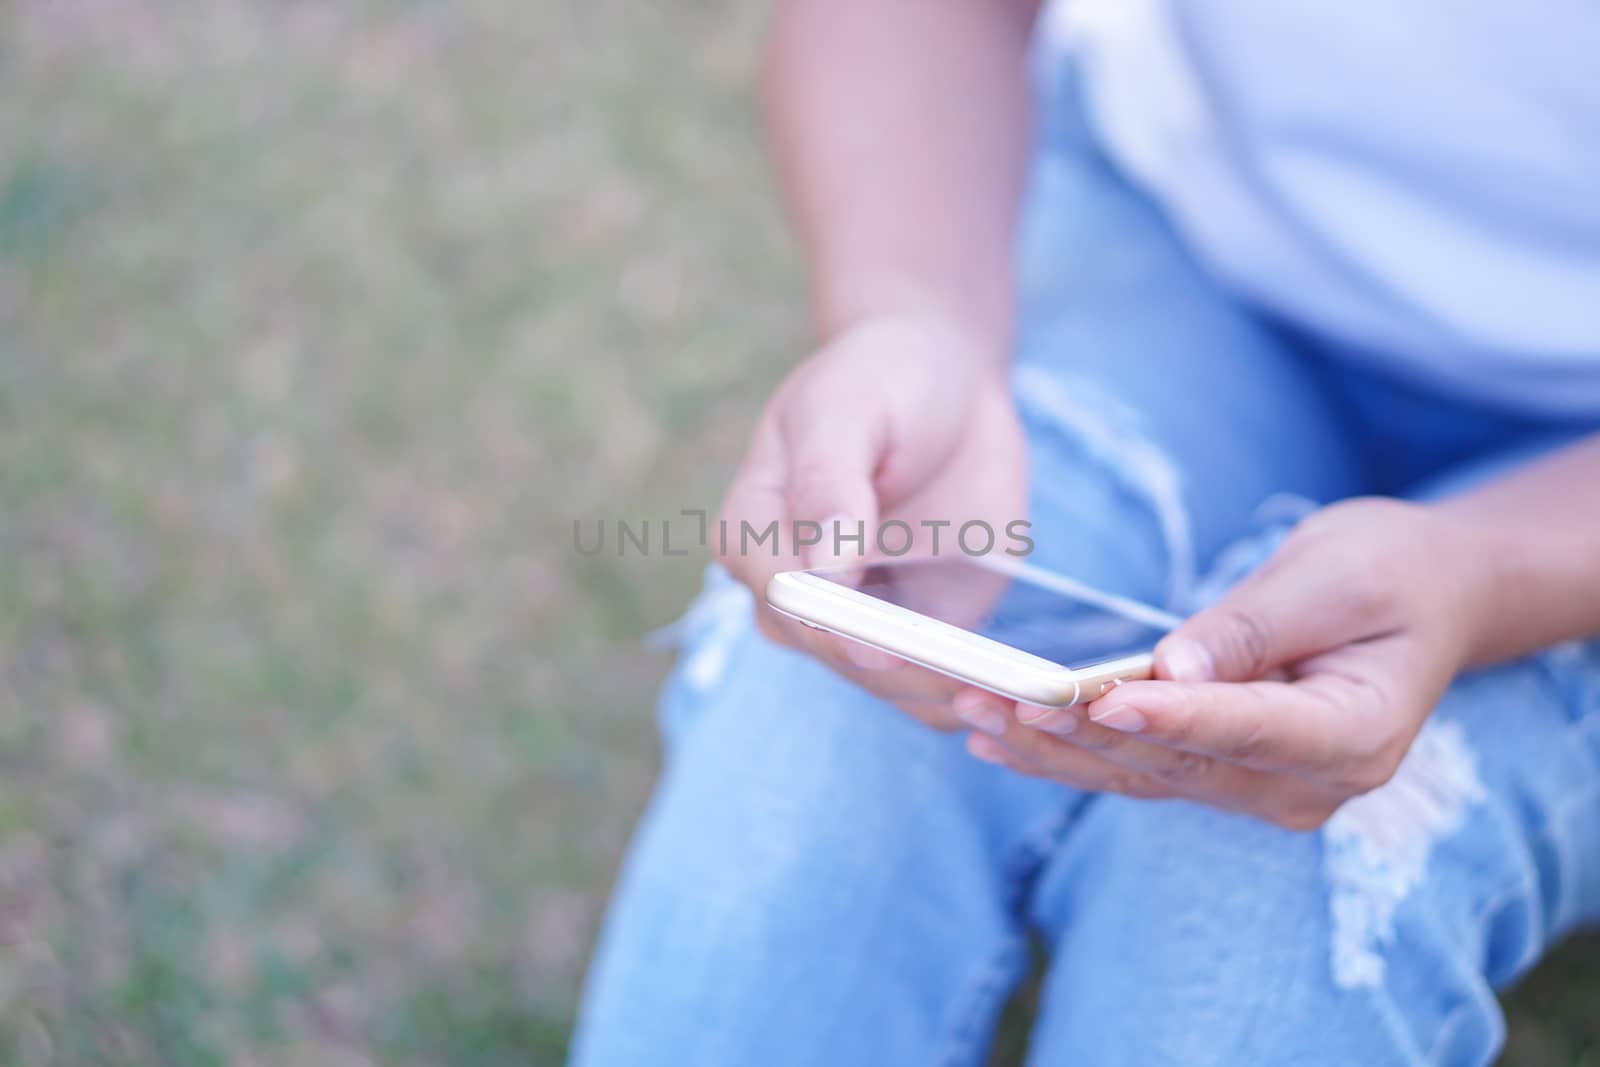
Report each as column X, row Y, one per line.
column 897, row 417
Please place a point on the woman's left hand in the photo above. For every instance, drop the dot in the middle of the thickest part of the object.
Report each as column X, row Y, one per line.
column 1300, row 689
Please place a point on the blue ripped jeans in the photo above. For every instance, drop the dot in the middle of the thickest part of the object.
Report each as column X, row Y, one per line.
column 821, row 880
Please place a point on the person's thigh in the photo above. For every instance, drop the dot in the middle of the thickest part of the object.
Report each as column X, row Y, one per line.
column 1186, row 936
column 818, row 877
column 1183, row 935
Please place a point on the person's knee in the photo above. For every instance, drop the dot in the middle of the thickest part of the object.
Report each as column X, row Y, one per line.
column 1105, row 501
column 1189, row 853
column 1324, row 935
column 790, row 771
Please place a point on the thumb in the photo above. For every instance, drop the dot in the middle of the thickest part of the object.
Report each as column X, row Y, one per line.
column 1280, row 615
column 829, row 492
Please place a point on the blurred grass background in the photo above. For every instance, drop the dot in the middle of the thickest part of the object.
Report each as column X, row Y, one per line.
column 318, row 326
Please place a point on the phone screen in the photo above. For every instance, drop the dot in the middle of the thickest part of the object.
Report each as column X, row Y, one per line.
column 1050, row 617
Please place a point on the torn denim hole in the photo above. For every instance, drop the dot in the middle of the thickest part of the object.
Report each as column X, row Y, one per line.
column 1110, row 432
column 1377, row 846
column 1275, row 517
column 706, row 633
column 1574, row 669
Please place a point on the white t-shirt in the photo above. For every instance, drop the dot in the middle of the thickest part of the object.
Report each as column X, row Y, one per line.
column 1419, row 180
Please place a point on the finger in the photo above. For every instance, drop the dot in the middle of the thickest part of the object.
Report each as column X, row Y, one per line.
column 754, row 501
column 1137, row 769
column 1199, row 776
column 1277, row 799
column 1272, row 726
column 828, row 484
column 1298, row 605
column 996, row 717
column 992, row 750
column 752, row 528
column 1045, row 757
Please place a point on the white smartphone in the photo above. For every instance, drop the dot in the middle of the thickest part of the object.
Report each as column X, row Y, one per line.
column 999, row 624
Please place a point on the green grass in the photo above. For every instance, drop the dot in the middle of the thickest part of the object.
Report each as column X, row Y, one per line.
column 318, row 326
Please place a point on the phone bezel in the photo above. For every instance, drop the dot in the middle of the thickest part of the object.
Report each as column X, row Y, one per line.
column 945, row 648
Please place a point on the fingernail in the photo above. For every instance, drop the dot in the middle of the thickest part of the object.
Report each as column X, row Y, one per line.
column 1124, row 717
column 868, row 658
column 981, row 712
column 1051, row 720
column 1187, row 661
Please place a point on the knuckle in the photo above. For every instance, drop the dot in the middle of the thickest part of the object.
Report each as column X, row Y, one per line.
column 1127, row 784
column 1177, row 726
column 1359, row 513
column 1187, row 767
column 1303, row 819
column 1247, row 640
column 1367, row 594
column 941, row 720
column 1091, row 742
column 1102, row 740
column 1253, row 746
column 1058, row 723
column 810, row 481
column 795, row 398
column 1374, row 773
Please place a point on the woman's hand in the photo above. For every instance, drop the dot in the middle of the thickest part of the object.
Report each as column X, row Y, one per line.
column 898, row 417
column 1302, row 688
